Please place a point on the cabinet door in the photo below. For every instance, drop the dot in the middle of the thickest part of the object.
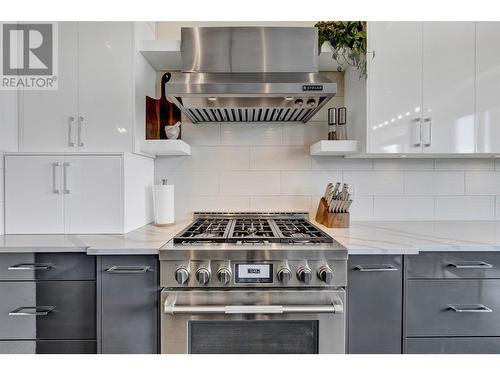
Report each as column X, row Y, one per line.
column 488, row 87
column 45, row 121
column 93, row 199
column 375, row 304
column 448, row 87
column 105, row 86
column 33, row 195
column 129, row 304
column 394, row 87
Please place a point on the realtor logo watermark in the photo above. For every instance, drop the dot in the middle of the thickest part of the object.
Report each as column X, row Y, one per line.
column 29, row 57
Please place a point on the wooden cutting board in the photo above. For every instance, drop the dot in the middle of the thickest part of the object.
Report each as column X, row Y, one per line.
column 160, row 112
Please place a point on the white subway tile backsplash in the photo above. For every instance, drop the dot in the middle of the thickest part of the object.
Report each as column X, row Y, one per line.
column 280, row 158
column 434, row 183
column 464, row 164
column 264, row 167
column 280, row 203
column 304, row 134
column 482, row 183
column 403, row 164
column 403, row 208
column 321, row 163
column 375, row 183
column 207, row 158
column 218, row 203
column 465, row 208
column 191, row 183
column 201, row 134
column 250, row 183
column 307, row 182
column 251, row 134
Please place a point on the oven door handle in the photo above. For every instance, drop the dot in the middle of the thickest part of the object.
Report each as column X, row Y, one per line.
column 335, row 308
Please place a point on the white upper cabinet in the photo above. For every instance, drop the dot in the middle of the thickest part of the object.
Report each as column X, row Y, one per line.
column 48, row 117
column 448, row 87
column 92, row 111
column 488, row 87
column 421, row 84
column 394, row 87
column 105, row 86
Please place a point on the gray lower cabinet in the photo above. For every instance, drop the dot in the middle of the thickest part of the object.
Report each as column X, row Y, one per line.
column 453, row 345
column 374, row 298
column 128, row 303
column 48, row 303
column 48, row 347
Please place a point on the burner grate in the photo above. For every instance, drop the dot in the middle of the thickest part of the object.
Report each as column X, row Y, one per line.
column 205, row 230
column 300, row 231
column 253, row 229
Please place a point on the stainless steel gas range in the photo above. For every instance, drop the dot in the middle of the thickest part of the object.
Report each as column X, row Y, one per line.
column 253, row 283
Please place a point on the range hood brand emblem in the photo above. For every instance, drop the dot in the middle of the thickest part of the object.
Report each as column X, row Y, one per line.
column 312, row 87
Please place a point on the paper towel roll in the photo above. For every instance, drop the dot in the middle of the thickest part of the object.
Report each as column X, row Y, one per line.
column 163, row 201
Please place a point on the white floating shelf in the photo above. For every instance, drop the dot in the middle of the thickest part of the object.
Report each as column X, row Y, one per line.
column 162, row 54
column 167, row 147
column 166, row 55
column 339, row 148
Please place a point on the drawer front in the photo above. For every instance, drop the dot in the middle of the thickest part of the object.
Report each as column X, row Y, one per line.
column 375, row 304
column 453, row 308
column 454, row 265
column 47, row 266
column 66, row 310
column 453, row 345
column 48, row 347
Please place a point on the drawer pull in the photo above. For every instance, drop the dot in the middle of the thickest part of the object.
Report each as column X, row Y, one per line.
column 470, row 265
column 31, row 267
column 477, row 308
column 128, row 269
column 35, row 310
column 375, row 268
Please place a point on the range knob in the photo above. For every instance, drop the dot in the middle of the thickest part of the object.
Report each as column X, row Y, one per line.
column 299, row 102
column 311, row 103
column 284, row 275
column 304, row 274
column 224, row 275
column 203, row 275
column 325, row 274
column 182, row 275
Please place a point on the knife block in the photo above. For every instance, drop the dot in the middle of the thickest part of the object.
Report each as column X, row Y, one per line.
column 331, row 219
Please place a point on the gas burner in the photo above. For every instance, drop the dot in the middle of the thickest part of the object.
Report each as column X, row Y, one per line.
column 246, row 228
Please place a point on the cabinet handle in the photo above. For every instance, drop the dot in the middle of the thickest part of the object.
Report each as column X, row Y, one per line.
column 66, row 166
column 474, row 308
column 55, row 165
column 35, row 310
column 128, row 269
column 428, row 120
column 418, row 122
column 81, row 122
column 470, row 265
column 71, row 120
column 31, row 267
column 375, row 268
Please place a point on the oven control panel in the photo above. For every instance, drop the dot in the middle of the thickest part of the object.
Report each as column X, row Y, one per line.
column 242, row 274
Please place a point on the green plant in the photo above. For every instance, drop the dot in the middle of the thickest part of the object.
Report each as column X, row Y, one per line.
column 348, row 41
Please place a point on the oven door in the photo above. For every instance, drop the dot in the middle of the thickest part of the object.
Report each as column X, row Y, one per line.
column 253, row 322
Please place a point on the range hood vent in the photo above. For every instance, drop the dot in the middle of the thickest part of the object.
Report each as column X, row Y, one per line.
column 250, row 74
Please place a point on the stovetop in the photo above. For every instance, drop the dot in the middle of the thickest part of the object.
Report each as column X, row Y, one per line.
column 244, row 228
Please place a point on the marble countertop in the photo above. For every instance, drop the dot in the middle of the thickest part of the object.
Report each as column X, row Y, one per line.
column 376, row 237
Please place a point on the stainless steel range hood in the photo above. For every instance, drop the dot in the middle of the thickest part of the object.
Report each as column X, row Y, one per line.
column 250, row 74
